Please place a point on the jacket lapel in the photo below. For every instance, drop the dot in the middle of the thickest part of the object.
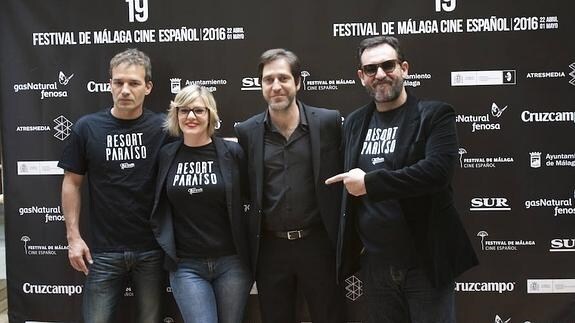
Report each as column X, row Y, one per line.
column 166, row 237
column 356, row 142
column 167, row 160
column 225, row 163
column 315, row 142
column 408, row 128
column 257, row 144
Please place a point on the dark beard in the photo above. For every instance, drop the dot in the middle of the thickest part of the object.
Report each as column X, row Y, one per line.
column 390, row 94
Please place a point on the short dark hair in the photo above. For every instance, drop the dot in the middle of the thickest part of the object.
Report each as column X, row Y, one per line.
column 271, row 55
column 380, row 40
column 133, row 56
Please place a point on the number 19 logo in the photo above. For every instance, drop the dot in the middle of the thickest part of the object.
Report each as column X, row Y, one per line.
column 445, row 5
column 137, row 10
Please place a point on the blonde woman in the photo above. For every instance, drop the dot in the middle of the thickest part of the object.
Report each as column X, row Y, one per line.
column 198, row 211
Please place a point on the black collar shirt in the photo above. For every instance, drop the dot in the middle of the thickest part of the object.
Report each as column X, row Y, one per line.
column 289, row 199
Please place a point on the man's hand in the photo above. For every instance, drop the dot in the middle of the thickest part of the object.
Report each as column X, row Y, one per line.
column 77, row 251
column 353, row 181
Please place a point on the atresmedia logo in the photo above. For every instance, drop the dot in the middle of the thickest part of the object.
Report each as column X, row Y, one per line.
column 61, row 129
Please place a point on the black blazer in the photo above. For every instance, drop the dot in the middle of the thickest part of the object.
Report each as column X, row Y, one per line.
column 423, row 166
column 232, row 165
column 325, row 140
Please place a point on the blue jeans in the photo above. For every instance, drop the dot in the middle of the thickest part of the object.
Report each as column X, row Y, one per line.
column 398, row 295
column 211, row 290
column 106, row 284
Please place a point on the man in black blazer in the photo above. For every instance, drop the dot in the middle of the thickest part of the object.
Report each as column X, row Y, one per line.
column 398, row 211
column 291, row 149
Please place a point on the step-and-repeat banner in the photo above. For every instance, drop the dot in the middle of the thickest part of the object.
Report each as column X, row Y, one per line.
column 508, row 67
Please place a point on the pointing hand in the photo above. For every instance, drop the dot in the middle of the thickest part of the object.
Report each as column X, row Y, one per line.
column 353, row 181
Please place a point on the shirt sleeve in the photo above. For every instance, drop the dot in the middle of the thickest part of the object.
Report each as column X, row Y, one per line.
column 74, row 155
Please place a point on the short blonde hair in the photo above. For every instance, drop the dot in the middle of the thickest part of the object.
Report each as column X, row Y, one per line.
column 186, row 96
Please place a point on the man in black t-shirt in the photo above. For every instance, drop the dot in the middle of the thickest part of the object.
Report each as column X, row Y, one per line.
column 398, row 211
column 117, row 149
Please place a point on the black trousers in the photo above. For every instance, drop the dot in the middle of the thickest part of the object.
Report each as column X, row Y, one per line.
column 309, row 263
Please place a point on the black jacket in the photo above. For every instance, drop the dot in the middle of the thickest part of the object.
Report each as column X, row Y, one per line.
column 232, row 165
column 325, row 140
column 423, row 166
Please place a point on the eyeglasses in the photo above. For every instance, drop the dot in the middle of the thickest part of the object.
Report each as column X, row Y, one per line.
column 387, row 66
column 198, row 112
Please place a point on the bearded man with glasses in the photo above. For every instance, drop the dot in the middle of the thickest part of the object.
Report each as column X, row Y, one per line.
column 398, row 217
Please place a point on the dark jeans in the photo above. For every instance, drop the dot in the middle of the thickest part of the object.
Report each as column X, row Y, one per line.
column 309, row 263
column 106, row 284
column 397, row 295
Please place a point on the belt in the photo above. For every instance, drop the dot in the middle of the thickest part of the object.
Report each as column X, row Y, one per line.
column 293, row 234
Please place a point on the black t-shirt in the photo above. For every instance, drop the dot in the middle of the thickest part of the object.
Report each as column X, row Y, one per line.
column 197, row 196
column 119, row 157
column 382, row 226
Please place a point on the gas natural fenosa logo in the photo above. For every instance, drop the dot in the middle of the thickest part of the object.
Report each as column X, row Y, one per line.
column 558, row 206
column 47, row 90
column 500, row 320
column 483, row 121
column 63, row 79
